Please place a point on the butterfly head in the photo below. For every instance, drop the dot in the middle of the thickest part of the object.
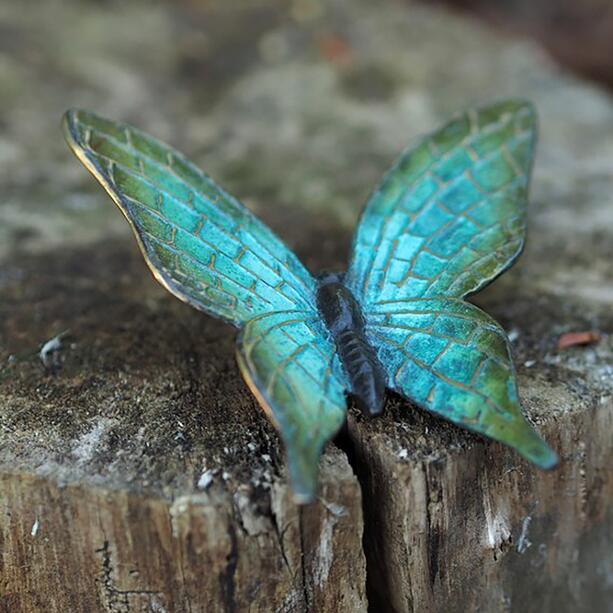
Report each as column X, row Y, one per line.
column 328, row 277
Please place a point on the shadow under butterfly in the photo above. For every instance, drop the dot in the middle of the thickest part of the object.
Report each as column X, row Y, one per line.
column 446, row 220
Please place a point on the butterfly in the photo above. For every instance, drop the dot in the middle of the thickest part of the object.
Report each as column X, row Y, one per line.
column 446, row 220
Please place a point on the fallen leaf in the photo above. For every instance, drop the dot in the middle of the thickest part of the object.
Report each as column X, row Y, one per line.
column 571, row 339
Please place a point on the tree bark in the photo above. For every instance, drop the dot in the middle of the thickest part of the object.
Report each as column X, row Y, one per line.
column 78, row 548
column 160, row 484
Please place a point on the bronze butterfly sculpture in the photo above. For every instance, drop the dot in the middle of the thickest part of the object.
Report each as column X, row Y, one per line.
column 446, row 220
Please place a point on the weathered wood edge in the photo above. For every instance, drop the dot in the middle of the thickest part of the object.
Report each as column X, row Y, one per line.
column 80, row 548
column 480, row 529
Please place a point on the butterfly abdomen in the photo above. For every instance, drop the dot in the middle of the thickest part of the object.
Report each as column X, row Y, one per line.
column 341, row 313
column 363, row 370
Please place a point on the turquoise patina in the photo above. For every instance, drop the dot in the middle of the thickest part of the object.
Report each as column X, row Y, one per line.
column 446, row 220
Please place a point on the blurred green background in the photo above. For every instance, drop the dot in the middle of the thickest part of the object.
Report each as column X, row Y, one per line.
column 296, row 106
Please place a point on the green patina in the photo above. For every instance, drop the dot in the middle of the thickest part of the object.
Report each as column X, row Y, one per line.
column 446, row 220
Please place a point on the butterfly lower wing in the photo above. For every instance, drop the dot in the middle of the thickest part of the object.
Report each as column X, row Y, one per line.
column 450, row 358
column 200, row 242
column 289, row 364
column 450, row 215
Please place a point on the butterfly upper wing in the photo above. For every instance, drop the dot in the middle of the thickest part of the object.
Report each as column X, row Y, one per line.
column 450, row 215
column 290, row 365
column 200, row 242
column 451, row 358
column 446, row 220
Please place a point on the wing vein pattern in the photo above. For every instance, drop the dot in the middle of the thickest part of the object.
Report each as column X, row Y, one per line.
column 210, row 251
column 289, row 362
column 200, row 242
column 446, row 220
column 450, row 214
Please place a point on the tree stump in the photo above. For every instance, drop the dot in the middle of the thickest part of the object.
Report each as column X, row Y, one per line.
column 137, row 471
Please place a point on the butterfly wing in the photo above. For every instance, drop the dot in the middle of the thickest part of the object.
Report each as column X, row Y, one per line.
column 446, row 220
column 208, row 250
column 451, row 358
column 199, row 242
column 290, row 366
column 450, row 215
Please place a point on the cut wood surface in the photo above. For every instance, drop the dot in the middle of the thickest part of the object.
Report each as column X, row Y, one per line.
column 137, row 472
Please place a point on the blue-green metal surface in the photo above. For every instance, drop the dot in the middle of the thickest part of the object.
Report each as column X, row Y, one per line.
column 200, row 242
column 288, row 361
column 446, row 220
column 453, row 359
column 450, row 215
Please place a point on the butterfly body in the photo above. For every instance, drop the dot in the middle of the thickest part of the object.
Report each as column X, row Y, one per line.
column 342, row 315
column 445, row 221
